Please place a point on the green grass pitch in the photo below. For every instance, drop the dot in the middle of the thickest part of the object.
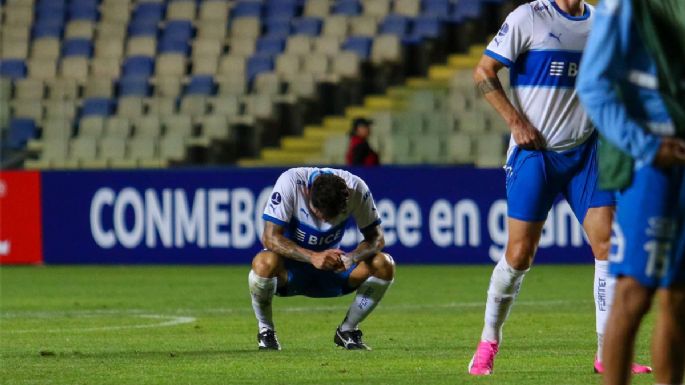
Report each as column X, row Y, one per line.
column 194, row 325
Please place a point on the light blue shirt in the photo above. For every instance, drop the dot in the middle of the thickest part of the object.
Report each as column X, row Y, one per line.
column 618, row 84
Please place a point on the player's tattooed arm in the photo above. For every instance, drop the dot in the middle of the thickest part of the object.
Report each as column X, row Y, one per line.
column 487, row 85
column 372, row 244
column 275, row 240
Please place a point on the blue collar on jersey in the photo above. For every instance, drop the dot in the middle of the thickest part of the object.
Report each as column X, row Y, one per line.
column 584, row 16
column 314, row 175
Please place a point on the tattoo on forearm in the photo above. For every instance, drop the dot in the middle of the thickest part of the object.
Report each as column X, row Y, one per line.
column 488, row 85
column 287, row 248
column 366, row 249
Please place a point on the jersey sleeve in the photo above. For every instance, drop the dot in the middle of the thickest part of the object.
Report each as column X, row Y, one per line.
column 513, row 38
column 364, row 212
column 281, row 205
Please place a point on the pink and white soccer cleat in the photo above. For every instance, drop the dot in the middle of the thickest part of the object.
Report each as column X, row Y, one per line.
column 635, row 369
column 483, row 360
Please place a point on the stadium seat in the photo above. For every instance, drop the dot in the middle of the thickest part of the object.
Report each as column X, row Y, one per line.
column 149, row 12
column 310, row 26
column 359, row 45
column 244, row 9
column 302, row 85
column 148, row 126
column 45, row 48
column 45, row 69
column 336, row 25
column 138, row 66
column 105, row 67
column 27, row 89
column 82, row 150
column 427, row 27
column 133, row 86
column 80, row 29
column 14, row 48
column 280, row 28
column 212, row 29
column 77, row 47
column 213, row 10
column 282, row 9
column 117, row 127
column 214, row 127
column 97, row 107
column 298, row 45
column 141, row 46
column 318, row 65
column 246, row 27
column 174, row 46
column 181, row 10
column 161, row 106
column 91, row 126
column 172, row 148
column 130, row 107
column 227, row 105
column 258, row 64
column 143, row 152
column 168, row 86
column 178, row 30
column 170, row 64
column 111, row 150
column 243, row 46
column 267, row 84
column 75, row 67
column 205, row 65
column 435, row 8
column 347, row 7
column 177, row 125
column 53, row 154
column 328, row 45
column 386, row 48
column 363, row 26
column 47, row 29
column 201, row 85
column 409, row 8
column 466, row 9
column 270, row 46
column 288, row 64
column 193, row 106
column 143, row 29
column 396, row 25
column 20, row 131
column 64, row 89
column 207, row 47
column 60, row 109
column 319, row 9
column 112, row 30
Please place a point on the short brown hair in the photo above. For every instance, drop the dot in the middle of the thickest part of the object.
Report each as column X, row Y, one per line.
column 329, row 194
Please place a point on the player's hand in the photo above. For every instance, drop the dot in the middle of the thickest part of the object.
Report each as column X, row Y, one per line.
column 330, row 259
column 671, row 153
column 526, row 136
column 347, row 263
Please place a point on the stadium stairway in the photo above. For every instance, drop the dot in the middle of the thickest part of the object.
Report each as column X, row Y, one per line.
column 436, row 119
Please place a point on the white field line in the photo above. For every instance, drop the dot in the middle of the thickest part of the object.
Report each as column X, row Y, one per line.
column 170, row 321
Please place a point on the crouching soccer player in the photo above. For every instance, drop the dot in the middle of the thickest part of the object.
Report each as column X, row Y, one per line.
column 305, row 221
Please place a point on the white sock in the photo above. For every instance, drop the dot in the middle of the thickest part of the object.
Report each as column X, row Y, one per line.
column 369, row 294
column 262, row 291
column 603, row 289
column 505, row 283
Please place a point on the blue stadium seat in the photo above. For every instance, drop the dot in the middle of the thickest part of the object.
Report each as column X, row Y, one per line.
column 178, row 30
column 201, row 85
column 396, row 25
column 246, row 9
column 258, row 64
column 51, row 6
column 347, row 7
column 12, row 68
column 437, row 8
column 97, row 107
column 270, row 45
column 142, row 28
column 361, row 45
column 427, row 27
column 77, row 47
column 139, row 66
column 134, row 86
column 278, row 27
column 282, row 9
column 466, row 9
column 150, row 12
column 83, row 10
column 173, row 46
column 310, row 26
column 20, row 131
column 51, row 28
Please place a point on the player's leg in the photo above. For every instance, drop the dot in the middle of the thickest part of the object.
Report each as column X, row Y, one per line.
column 632, row 301
column 371, row 278
column 529, row 198
column 267, row 271
column 668, row 348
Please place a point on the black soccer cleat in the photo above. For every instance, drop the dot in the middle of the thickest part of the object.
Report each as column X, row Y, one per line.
column 267, row 340
column 350, row 340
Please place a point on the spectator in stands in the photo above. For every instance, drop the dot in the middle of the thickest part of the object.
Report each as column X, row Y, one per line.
column 359, row 152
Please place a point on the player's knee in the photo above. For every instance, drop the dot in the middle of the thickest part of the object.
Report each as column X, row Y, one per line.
column 265, row 264
column 633, row 298
column 520, row 256
column 673, row 301
column 383, row 266
column 601, row 250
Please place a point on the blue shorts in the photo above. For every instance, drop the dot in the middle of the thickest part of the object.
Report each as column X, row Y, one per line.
column 535, row 179
column 648, row 240
column 305, row 279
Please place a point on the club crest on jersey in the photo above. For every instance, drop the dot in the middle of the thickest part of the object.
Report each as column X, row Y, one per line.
column 276, row 198
column 503, row 30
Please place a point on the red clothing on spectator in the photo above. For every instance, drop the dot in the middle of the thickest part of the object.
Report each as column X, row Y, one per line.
column 359, row 153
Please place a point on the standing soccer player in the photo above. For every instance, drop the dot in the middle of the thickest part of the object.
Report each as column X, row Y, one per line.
column 305, row 221
column 633, row 87
column 552, row 151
